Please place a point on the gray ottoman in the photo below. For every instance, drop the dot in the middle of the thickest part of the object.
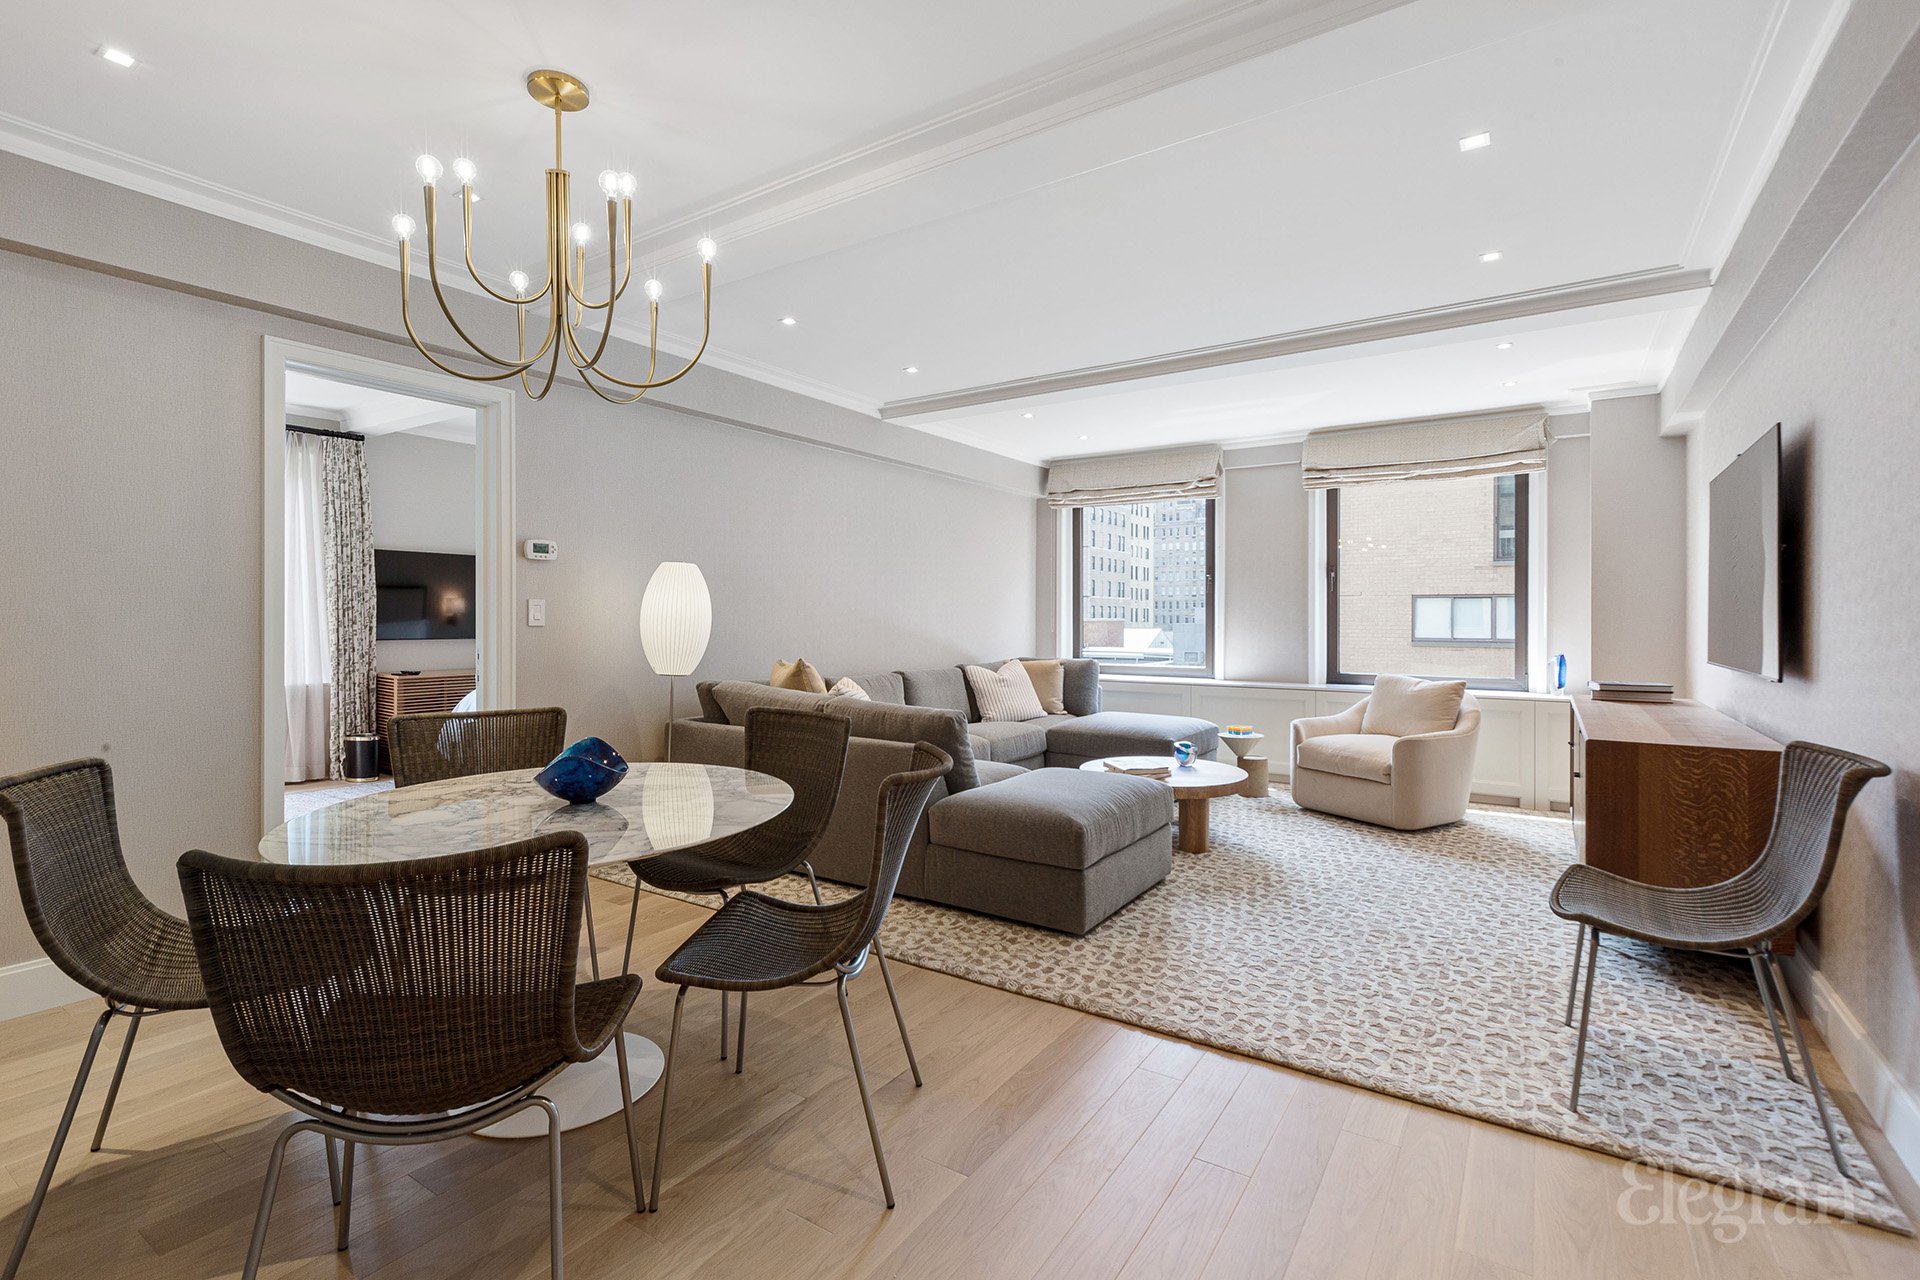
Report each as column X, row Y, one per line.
column 1057, row 849
column 1071, row 743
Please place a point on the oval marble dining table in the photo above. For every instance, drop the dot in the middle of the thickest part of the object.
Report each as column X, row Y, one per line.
column 655, row 809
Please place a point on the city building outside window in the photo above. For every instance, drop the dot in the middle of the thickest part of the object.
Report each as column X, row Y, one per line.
column 1415, row 586
column 1148, row 608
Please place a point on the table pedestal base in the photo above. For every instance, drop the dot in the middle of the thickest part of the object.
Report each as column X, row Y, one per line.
column 587, row 1091
column 1193, row 825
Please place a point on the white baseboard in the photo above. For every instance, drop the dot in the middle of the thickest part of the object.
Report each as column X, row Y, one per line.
column 33, row 985
column 1893, row 1107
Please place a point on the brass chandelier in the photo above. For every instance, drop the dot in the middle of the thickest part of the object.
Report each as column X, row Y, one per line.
column 565, row 285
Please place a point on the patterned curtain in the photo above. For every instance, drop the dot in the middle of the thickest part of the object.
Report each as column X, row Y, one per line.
column 347, row 532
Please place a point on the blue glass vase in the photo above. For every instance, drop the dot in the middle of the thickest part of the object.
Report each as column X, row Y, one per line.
column 583, row 772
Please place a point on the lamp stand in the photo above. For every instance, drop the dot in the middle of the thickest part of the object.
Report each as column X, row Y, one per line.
column 673, row 687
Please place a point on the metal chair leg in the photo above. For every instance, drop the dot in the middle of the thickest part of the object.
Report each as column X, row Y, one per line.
column 1573, row 983
column 626, row 1116
column 723, row 1002
column 119, row 1071
column 556, row 1225
column 886, row 975
column 593, row 944
column 272, row 1184
column 343, row 1220
column 1586, row 1007
column 866, row 1099
column 1764, row 981
column 666, row 1091
column 812, row 880
column 740, row 1040
column 1806, row 1061
column 633, row 922
column 333, row 1169
column 59, row 1141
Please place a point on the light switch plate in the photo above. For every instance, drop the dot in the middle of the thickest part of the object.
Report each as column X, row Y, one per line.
column 536, row 613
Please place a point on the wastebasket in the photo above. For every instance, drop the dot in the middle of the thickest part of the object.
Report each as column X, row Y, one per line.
column 363, row 757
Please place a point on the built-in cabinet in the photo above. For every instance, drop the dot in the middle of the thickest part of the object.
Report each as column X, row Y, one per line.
column 1522, row 757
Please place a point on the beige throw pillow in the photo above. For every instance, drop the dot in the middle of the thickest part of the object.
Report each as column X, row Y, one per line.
column 1403, row 706
column 798, row 674
column 844, row 687
column 1006, row 694
column 1049, row 684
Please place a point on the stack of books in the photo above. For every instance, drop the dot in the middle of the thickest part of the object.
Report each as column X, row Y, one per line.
column 1629, row 691
column 1160, row 771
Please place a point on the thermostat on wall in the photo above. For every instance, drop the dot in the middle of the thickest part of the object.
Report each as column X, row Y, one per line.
column 540, row 549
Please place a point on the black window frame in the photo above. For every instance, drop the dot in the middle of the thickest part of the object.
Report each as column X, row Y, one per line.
column 1213, row 618
column 1517, row 486
column 1522, row 552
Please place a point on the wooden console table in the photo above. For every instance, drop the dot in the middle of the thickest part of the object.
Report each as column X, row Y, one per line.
column 400, row 693
column 1670, row 793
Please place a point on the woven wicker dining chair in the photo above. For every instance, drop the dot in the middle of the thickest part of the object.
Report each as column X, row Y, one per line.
column 434, row 746
column 94, row 924
column 758, row 943
column 399, row 1003
column 807, row 750
column 1741, row 915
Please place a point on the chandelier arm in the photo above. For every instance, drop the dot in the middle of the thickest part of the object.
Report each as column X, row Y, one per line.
column 613, row 295
column 606, row 395
column 706, row 331
column 615, row 291
column 466, row 238
column 406, row 320
column 433, row 274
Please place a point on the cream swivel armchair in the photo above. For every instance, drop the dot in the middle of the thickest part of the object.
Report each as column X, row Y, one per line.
column 1401, row 757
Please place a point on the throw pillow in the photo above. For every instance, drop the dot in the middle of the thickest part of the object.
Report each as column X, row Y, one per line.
column 798, row 674
column 1049, row 683
column 1403, row 706
column 1006, row 694
column 844, row 687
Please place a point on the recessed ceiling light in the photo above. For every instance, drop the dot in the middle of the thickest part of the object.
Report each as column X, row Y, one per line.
column 788, row 320
column 118, row 57
column 1026, row 415
column 1509, row 384
column 912, row 368
column 1083, row 437
column 1503, row 346
column 1475, row 141
column 1492, row 255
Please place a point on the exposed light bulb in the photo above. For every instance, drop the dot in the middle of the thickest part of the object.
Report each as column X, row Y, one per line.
column 463, row 169
column 582, row 233
column 628, row 185
column 429, row 169
column 706, row 249
column 654, row 290
column 402, row 226
column 609, row 183
column 518, row 279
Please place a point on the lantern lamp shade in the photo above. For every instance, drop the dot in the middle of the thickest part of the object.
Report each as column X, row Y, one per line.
column 676, row 618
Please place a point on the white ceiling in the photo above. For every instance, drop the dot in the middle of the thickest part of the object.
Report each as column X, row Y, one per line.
column 1035, row 204
column 370, row 411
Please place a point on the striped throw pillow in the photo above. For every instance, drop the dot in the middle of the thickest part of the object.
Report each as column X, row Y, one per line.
column 1006, row 694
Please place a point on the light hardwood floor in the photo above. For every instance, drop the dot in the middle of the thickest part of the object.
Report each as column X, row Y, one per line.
column 1046, row 1143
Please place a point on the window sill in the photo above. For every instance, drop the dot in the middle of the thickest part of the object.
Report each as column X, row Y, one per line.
column 1213, row 682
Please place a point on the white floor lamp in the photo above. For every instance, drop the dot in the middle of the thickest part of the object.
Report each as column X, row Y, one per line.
column 676, row 619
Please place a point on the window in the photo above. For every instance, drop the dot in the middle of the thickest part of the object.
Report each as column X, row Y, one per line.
column 1149, row 607
column 1413, row 586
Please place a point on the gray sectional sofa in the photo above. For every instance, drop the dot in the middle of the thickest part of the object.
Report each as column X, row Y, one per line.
column 1016, row 830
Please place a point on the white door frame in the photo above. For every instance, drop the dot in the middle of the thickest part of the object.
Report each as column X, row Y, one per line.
column 493, row 518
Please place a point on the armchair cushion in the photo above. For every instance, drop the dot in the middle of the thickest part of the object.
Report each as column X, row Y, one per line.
column 1367, row 756
column 1403, row 706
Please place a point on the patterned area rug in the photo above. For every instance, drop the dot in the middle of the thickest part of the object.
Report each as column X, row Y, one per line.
column 304, row 802
column 1426, row 965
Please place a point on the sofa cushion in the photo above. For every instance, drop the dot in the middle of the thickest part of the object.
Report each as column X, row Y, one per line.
column 1403, row 706
column 944, row 729
column 995, row 771
column 798, row 674
column 1058, row 817
column 1129, row 733
column 938, row 687
column 1009, row 739
column 1366, row 756
column 1080, row 686
column 881, row 686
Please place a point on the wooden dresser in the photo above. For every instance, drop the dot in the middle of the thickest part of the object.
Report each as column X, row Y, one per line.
column 1669, row 793
column 397, row 693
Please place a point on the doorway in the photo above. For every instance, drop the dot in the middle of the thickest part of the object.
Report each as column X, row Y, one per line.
column 389, row 521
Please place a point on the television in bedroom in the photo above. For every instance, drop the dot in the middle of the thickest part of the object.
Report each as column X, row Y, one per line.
column 1743, row 561
column 423, row 595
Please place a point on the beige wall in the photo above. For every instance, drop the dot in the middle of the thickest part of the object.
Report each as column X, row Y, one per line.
column 1638, row 544
column 421, row 494
column 1569, row 576
column 132, row 526
column 1841, row 372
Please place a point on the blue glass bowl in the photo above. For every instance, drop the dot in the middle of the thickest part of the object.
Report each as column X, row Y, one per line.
column 583, row 772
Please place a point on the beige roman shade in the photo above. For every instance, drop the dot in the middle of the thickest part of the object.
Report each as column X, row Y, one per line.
column 1135, row 477
column 1442, row 449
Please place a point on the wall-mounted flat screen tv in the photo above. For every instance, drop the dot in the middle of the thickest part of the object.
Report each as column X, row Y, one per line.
column 423, row 595
column 1743, row 561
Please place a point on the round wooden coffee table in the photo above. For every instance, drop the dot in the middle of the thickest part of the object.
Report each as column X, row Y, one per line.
column 1193, row 786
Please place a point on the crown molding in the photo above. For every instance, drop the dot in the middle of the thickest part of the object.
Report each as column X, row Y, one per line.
column 1658, row 282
